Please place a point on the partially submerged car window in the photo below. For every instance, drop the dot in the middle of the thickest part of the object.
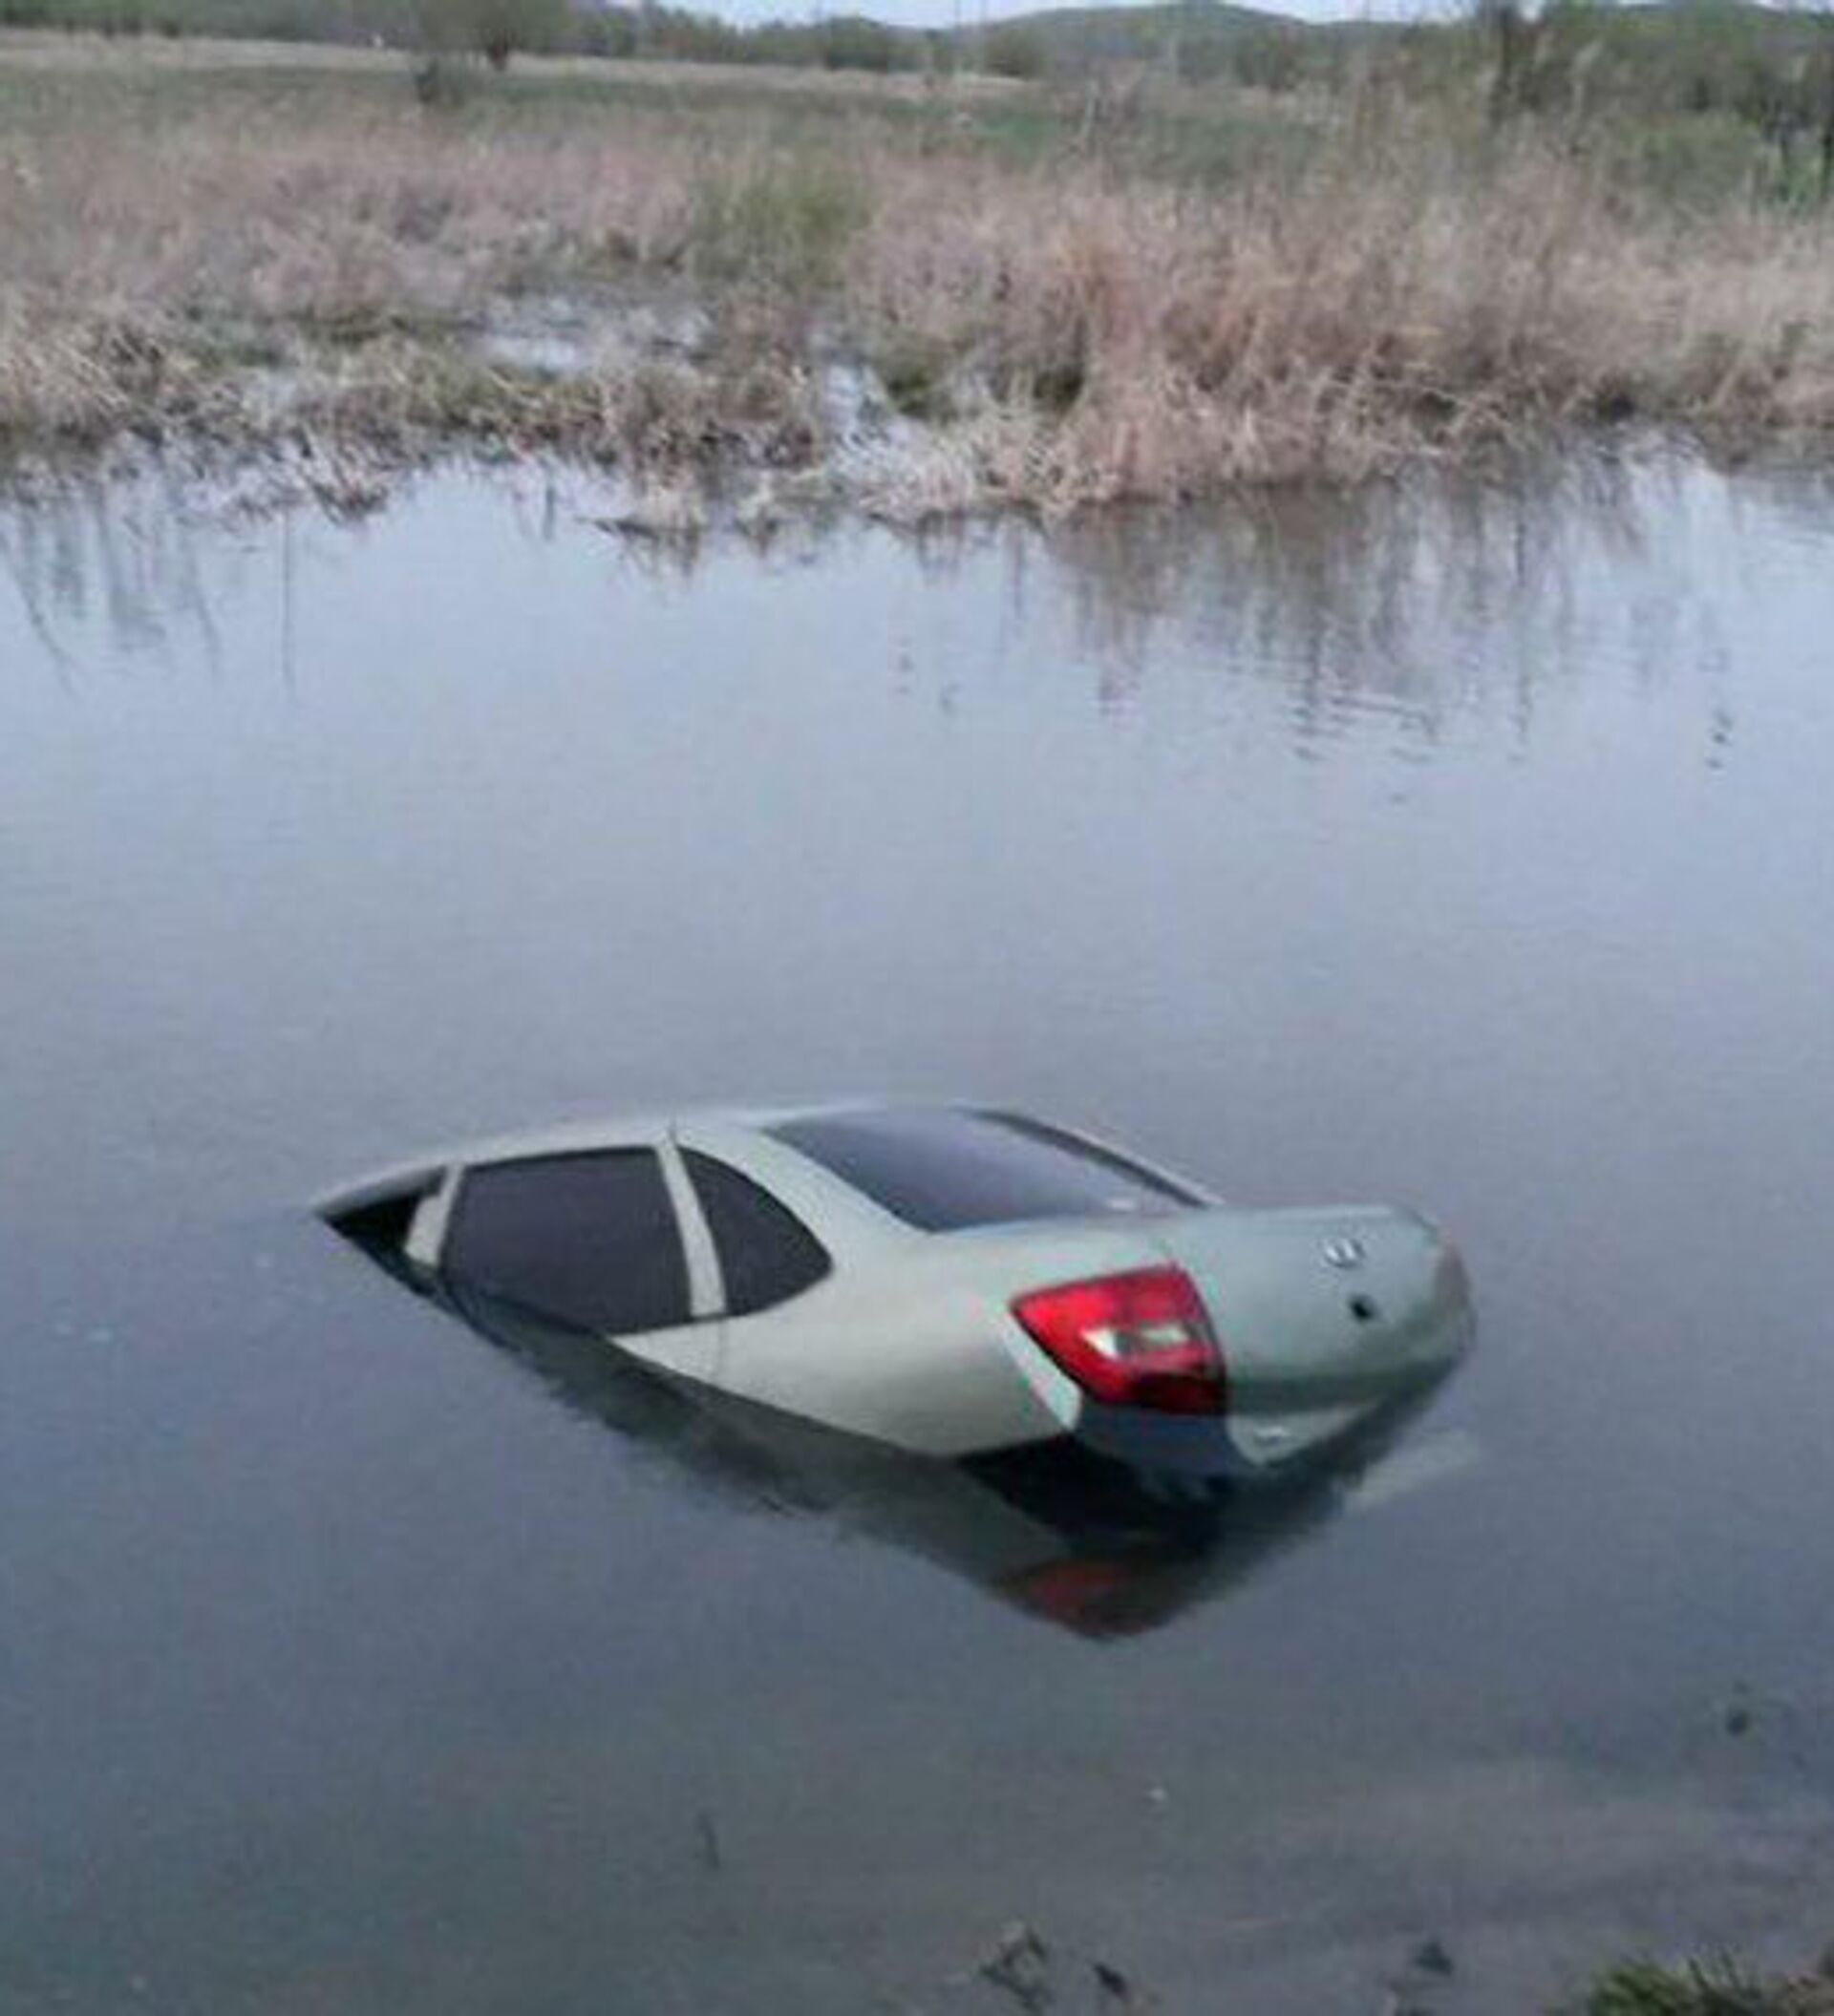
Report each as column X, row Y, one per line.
column 766, row 1253
column 942, row 1171
column 589, row 1240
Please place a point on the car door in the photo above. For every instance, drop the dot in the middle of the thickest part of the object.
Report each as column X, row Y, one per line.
column 589, row 1240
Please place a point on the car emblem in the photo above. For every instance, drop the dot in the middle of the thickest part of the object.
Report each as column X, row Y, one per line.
column 1343, row 1252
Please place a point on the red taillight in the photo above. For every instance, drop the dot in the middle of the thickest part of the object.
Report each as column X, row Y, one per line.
column 1132, row 1340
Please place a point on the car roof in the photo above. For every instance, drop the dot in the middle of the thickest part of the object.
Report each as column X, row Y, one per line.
column 561, row 1136
column 580, row 1136
column 758, row 1122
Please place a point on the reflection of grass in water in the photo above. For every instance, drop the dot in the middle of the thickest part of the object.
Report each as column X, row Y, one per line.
column 1161, row 301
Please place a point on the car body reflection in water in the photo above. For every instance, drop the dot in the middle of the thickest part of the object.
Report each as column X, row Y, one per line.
column 1070, row 1537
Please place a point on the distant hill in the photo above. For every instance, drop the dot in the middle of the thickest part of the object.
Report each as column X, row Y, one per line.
column 1693, row 53
column 1112, row 33
column 1208, row 38
column 1198, row 37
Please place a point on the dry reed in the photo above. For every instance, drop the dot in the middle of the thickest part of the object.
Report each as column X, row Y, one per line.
column 1051, row 334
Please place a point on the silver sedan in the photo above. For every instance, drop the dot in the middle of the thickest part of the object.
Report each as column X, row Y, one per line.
column 952, row 1280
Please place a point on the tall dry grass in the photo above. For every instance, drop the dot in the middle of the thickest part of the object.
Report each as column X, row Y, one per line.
column 1052, row 333
column 1151, row 342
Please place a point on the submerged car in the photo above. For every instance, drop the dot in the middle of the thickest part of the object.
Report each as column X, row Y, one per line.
column 955, row 1282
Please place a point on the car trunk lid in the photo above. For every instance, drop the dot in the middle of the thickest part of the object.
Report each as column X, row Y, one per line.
column 1324, row 1312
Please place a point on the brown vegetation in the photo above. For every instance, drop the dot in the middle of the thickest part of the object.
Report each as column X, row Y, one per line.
column 1714, row 1987
column 890, row 309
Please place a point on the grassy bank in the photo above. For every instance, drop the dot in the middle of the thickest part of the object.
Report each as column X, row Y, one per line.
column 921, row 299
column 1710, row 1989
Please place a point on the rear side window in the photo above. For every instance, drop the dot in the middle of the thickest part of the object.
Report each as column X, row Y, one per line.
column 942, row 1170
column 584, row 1239
column 766, row 1253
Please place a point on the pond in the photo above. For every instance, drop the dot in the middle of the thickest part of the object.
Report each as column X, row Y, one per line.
column 1455, row 845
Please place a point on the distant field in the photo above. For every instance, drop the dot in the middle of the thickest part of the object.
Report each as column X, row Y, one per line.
column 918, row 297
column 60, row 51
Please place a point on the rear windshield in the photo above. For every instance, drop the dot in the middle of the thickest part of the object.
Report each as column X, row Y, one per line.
column 940, row 1171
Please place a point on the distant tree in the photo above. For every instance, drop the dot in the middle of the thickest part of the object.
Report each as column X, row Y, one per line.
column 1824, row 89
column 852, row 42
column 1512, row 35
column 607, row 31
column 492, row 29
column 939, row 53
column 1272, row 58
column 1013, row 51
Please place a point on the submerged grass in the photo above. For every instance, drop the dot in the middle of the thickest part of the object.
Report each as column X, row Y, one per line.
column 1020, row 304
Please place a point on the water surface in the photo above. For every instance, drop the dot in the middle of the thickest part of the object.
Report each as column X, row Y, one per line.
column 1453, row 846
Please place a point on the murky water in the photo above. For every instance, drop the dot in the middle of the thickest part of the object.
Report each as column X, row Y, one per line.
column 1458, row 848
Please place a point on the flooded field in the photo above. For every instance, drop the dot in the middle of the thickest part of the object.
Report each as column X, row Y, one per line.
column 1458, row 846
